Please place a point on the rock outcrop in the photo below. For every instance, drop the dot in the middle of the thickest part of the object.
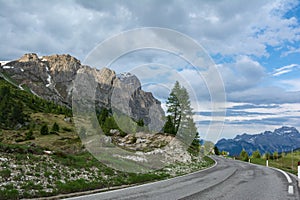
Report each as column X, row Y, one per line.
column 145, row 144
column 52, row 78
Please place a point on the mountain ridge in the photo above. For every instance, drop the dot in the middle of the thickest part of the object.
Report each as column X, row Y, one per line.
column 281, row 140
column 52, row 78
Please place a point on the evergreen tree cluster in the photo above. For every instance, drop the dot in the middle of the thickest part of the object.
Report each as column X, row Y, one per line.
column 11, row 109
column 121, row 122
column 16, row 105
column 107, row 121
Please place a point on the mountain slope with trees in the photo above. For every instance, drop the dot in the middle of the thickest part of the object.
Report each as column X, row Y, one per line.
column 42, row 155
column 280, row 140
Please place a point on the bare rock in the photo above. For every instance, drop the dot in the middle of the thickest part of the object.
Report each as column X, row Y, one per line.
column 52, row 78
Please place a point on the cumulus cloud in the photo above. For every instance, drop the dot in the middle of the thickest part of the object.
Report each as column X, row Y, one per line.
column 251, row 118
column 245, row 73
column 238, row 30
column 75, row 27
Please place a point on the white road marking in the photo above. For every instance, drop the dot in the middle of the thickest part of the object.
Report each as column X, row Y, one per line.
column 285, row 174
column 291, row 189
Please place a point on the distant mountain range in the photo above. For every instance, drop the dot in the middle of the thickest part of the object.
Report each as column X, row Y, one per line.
column 281, row 140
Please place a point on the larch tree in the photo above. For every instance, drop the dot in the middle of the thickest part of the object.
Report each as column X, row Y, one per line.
column 180, row 116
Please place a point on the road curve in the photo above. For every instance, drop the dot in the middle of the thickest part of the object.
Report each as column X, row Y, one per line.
column 229, row 179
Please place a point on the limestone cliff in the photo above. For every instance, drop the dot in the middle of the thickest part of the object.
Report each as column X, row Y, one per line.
column 52, row 78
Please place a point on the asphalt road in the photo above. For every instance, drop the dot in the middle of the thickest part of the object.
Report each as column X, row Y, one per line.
column 229, row 179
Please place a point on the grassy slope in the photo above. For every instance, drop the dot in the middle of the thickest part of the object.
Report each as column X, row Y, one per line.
column 27, row 172
column 287, row 162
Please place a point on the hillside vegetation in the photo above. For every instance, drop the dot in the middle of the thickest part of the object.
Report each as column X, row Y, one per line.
column 287, row 161
column 41, row 154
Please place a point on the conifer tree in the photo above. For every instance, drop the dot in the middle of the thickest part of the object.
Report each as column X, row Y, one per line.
column 180, row 119
column 244, row 155
column 55, row 127
column 44, row 130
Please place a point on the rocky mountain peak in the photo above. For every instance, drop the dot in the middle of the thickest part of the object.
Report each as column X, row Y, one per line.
column 62, row 63
column 29, row 57
column 129, row 79
column 286, row 130
column 52, row 78
column 105, row 75
column 268, row 141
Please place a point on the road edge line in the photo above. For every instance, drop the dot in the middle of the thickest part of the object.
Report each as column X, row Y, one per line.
column 290, row 187
column 289, row 180
column 284, row 173
column 147, row 184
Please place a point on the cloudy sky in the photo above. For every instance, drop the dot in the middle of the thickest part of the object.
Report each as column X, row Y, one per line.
column 254, row 44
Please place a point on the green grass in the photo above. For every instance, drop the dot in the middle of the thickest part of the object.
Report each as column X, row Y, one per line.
column 287, row 162
column 65, row 170
column 5, row 173
column 64, row 173
column 9, row 194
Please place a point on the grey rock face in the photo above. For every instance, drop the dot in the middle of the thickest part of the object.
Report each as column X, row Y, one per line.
column 52, row 78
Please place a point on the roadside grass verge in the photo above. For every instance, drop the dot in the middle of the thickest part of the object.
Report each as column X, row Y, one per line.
column 26, row 172
column 286, row 161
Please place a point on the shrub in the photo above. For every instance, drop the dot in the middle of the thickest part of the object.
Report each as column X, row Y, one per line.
column 67, row 129
column 55, row 127
column 9, row 194
column 256, row 154
column 44, row 130
column 5, row 173
column 244, row 155
column 29, row 135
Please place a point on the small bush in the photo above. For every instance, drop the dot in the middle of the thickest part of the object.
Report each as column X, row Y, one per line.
column 66, row 129
column 75, row 186
column 44, row 130
column 55, row 127
column 244, row 155
column 5, row 173
column 9, row 194
column 19, row 140
column 29, row 135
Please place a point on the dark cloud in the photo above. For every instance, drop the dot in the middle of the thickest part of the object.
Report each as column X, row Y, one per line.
column 266, row 121
column 265, row 95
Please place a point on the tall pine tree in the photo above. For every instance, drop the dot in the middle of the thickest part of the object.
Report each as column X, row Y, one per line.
column 180, row 119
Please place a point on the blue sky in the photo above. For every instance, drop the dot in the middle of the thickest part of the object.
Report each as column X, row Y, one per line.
column 255, row 45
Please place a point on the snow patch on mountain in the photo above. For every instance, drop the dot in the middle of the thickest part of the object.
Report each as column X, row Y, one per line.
column 4, row 62
column 8, row 67
column 49, row 77
column 268, row 141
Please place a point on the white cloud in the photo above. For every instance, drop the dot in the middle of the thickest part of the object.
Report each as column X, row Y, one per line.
column 291, row 50
column 241, row 30
column 293, row 85
column 245, row 73
column 256, row 118
column 75, row 27
column 285, row 69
